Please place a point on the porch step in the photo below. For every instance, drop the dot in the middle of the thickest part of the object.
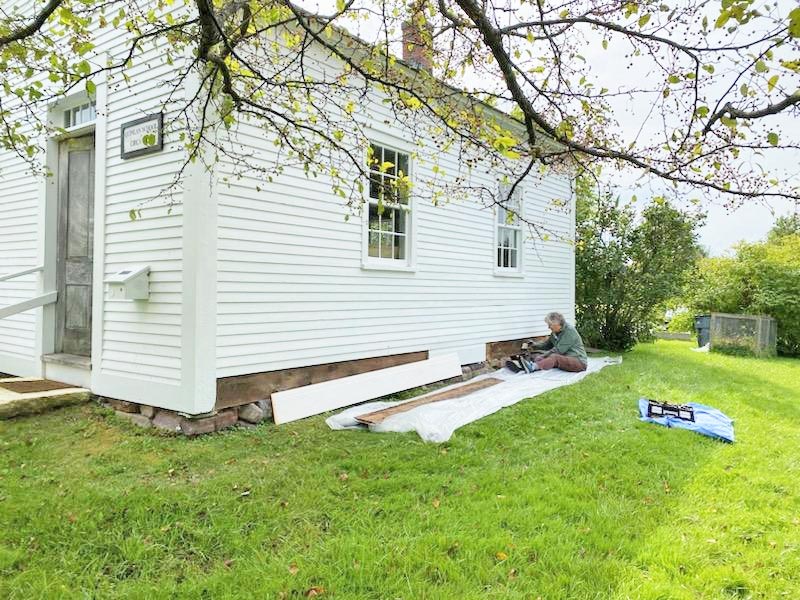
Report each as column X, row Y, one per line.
column 15, row 404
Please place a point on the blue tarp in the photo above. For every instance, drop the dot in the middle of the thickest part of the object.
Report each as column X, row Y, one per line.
column 707, row 421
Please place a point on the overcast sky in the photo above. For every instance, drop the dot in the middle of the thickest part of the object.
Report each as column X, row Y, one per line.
column 723, row 227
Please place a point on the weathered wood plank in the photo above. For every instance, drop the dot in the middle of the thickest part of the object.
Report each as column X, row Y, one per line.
column 321, row 397
column 379, row 415
column 244, row 389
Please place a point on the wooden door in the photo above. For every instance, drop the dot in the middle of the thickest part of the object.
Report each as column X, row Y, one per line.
column 75, row 244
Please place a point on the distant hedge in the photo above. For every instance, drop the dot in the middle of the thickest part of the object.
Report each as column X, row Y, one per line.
column 761, row 278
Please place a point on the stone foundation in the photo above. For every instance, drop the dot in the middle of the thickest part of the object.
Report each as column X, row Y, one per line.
column 169, row 420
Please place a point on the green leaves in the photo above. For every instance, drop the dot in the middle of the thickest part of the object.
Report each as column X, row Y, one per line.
column 773, row 81
column 794, row 23
column 772, row 138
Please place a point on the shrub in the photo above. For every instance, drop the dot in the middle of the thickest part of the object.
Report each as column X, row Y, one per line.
column 762, row 278
column 627, row 266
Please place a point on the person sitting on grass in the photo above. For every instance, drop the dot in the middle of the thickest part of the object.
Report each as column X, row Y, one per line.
column 562, row 350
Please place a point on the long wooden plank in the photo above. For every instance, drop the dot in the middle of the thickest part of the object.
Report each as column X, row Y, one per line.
column 302, row 402
column 379, row 415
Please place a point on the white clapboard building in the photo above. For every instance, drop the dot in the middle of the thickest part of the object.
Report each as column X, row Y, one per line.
column 237, row 286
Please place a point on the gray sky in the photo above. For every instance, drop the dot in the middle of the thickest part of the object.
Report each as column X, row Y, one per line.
column 724, row 227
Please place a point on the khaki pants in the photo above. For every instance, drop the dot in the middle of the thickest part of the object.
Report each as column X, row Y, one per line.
column 559, row 361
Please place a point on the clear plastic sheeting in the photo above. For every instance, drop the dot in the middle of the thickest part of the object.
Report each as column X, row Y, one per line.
column 437, row 421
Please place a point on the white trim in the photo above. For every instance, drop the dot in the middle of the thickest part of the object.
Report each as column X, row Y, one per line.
column 99, row 258
column 143, row 391
column 506, row 272
column 371, row 263
column 199, row 298
column 21, row 367
column 68, row 374
column 308, row 400
column 519, row 270
column 378, row 264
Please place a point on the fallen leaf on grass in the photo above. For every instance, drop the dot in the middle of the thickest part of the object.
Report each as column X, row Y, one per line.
column 293, row 569
column 436, row 503
column 244, row 494
column 512, row 574
column 501, row 556
column 343, row 477
column 317, row 590
column 228, row 562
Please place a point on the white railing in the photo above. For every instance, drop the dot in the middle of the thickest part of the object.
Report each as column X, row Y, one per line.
column 21, row 273
column 46, row 298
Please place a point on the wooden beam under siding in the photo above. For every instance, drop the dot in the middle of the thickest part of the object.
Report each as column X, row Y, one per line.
column 244, row 389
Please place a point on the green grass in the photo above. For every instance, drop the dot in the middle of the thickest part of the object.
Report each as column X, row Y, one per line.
column 566, row 495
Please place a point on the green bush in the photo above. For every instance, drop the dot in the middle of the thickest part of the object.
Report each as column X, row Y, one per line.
column 762, row 278
column 628, row 263
column 682, row 322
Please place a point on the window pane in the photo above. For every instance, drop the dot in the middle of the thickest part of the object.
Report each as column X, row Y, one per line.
column 402, row 191
column 374, row 217
column 512, row 259
column 402, row 163
column 373, row 244
column 387, row 221
column 375, row 159
column 400, row 217
column 499, row 257
column 375, row 186
column 390, row 156
column 400, row 247
column 386, row 245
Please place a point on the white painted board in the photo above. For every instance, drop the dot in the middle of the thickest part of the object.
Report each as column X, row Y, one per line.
column 302, row 402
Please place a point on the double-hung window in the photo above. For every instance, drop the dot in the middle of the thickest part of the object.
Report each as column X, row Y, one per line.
column 389, row 218
column 509, row 230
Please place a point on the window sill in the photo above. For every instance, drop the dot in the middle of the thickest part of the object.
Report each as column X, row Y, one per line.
column 387, row 266
column 509, row 273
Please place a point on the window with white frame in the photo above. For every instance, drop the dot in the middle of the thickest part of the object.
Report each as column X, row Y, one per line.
column 80, row 115
column 389, row 218
column 509, row 229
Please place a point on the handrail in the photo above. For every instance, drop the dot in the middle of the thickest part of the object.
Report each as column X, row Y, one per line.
column 19, row 307
column 21, row 273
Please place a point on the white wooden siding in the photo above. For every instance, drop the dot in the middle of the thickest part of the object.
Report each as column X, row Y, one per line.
column 292, row 292
column 19, row 224
column 138, row 341
column 142, row 340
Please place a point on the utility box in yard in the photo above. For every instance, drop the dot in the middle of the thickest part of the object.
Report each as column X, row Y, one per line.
column 755, row 335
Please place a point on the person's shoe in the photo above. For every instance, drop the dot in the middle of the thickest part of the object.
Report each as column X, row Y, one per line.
column 513, row 367
column 529, row 365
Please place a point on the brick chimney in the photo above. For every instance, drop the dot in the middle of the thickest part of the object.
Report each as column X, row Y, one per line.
column 418, row 38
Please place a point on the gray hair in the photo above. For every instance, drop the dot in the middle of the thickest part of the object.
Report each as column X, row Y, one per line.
column 555, row 317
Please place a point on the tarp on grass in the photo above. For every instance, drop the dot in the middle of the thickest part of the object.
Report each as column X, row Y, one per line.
column 437, row 421
column 707, row 421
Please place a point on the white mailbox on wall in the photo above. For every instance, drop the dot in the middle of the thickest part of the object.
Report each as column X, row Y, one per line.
column 132, row 283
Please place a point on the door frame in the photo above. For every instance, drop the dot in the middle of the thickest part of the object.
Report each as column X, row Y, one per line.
column 48, row 227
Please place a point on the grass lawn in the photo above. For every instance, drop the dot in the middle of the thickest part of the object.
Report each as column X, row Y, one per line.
column 566, row 495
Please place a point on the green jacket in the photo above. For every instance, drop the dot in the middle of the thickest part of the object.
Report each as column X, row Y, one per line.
column 567, row 342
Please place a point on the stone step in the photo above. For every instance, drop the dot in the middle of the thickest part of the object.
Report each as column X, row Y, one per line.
column 16, row 404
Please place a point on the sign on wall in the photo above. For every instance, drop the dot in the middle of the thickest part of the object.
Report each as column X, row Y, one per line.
column 142, row 136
